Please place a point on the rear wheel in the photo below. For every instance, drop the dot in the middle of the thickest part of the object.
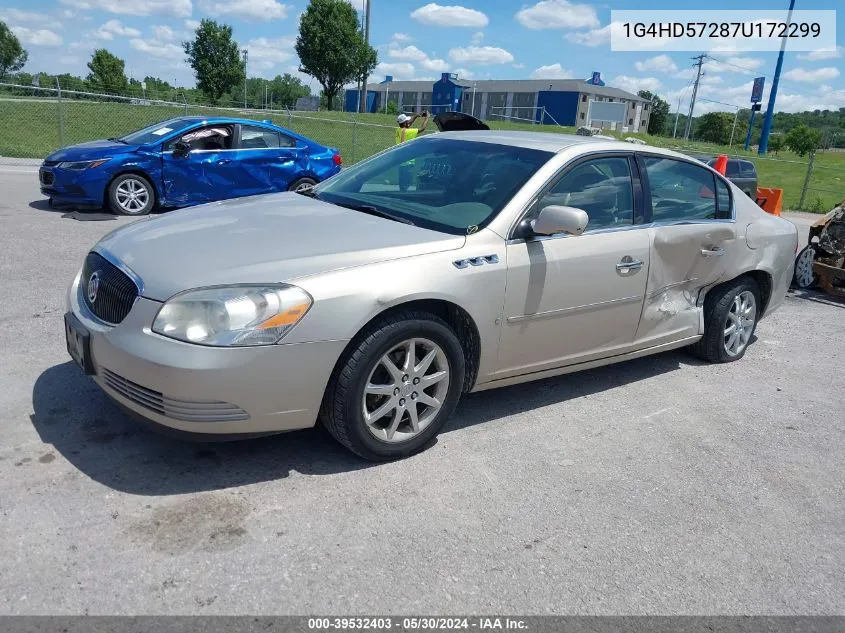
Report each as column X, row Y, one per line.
column 131, row 194
column 731, row 313
column 394, row 391
column 301, row 184
column 804, row 276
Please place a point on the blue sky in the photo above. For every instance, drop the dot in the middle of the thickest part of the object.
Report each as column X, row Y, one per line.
column 416, row 39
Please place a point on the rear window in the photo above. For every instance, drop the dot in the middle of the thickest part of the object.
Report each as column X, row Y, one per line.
column 747, row 169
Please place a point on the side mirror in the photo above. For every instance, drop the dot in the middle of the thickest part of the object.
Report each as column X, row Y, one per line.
column 181, row 148
column 558, row 219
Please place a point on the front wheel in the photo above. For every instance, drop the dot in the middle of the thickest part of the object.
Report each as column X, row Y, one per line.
column 393, row 392
column 804, row 276
column 731, row 313
column 131, row 194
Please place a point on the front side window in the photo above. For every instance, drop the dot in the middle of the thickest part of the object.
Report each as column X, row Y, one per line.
column 208, row 138
column 449, row 185
column 602, row 187
column 680, row 191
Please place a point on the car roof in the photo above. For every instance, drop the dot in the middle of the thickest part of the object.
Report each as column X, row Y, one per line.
column 553, row 142
column 220, row 119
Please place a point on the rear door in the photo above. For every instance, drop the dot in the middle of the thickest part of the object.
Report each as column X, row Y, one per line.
column 268, row 160
column 206, row 173
column 693, row 239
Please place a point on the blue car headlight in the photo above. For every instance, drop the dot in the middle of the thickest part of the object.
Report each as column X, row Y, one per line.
column 80, row 165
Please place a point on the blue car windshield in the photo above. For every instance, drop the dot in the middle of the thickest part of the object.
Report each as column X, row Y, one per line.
column 155, row 132
column 445, row 184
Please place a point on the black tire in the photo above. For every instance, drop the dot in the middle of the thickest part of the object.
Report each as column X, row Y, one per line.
column 341, row 412
column 125, row 179
column 717, row 305
column 299, row 182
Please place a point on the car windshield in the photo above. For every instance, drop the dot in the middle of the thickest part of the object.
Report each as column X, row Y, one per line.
column 449, row 185
column 155, row 132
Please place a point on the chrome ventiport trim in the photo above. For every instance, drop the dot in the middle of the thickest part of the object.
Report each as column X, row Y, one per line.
column 136, row 279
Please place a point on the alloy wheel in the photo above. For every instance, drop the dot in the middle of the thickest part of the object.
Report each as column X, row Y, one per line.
column 406, row 390
column 804, row 276
column 132, row 195
column 740, row 323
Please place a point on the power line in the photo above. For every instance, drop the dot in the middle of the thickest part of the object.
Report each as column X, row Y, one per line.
column 698, row 64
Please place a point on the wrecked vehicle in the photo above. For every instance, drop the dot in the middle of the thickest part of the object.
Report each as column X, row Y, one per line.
column 374, row 306
column 183, row 162
column 822, row 261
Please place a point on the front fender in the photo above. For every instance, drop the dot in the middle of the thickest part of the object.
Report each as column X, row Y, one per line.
column 146, row 164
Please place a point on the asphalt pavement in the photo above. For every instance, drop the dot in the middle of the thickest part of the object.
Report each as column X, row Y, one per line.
column 657, row 486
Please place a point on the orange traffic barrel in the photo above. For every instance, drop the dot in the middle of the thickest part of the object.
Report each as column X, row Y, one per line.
column 770, row 199
column 721, row 164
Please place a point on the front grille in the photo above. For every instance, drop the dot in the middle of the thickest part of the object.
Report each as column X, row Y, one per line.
column 185, row 410
column 115, row 292
column 47, row 177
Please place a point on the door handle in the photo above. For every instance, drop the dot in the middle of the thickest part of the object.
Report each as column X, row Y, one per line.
column 224, row 161
column 288, row 161
column 716, row 251
column 627, row 265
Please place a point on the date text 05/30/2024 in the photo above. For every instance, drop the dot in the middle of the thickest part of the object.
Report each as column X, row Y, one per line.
column 416, row 623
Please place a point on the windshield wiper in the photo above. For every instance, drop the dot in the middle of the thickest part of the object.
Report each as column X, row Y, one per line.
column 370, row 209
column 119, row 140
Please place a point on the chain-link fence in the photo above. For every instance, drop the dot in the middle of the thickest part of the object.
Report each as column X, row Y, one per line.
column 37, row 121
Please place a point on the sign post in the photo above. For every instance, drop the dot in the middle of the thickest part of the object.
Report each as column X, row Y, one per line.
column 756, row 98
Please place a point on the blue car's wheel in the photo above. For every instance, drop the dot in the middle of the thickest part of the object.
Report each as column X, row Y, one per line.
column 131, row 194
column 301, row 184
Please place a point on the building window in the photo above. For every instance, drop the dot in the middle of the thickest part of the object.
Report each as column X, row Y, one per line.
column 583, row 116
column 630, row 121
column 610, row 100
column 643, row 123
column 599, row 98
column 645, row 108
column 583, row 98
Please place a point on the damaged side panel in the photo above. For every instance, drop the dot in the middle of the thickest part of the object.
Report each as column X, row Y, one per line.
column 685, row 258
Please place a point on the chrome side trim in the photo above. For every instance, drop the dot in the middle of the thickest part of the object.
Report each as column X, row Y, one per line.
column 589, row 307
column 136, row 279
column 616, row 229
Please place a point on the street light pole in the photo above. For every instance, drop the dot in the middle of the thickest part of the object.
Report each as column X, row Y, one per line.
column 246, row 54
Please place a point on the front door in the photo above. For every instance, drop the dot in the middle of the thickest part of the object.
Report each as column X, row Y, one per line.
column 207, row 173
column 571, row 299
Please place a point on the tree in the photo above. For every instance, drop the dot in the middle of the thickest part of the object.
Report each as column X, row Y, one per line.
column 215, row 58
column 803, row 140
column 12, row 54
column 715, row 127
column 107, row 72
column 286, row 89
column 775, row 143
column 331, row 48
column 659, row 112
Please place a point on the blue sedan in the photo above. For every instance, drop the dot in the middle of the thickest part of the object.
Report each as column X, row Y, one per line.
column 185, row 161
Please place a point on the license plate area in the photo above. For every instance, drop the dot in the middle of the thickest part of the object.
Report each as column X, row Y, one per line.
column 78, row 343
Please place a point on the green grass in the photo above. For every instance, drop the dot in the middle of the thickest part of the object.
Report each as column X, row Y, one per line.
column 31, row 130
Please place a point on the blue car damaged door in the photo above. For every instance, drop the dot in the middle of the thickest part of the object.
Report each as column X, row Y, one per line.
column 269, row 160
column 200, row 166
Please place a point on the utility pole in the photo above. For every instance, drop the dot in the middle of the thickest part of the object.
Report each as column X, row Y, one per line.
column 246, row 54
column 363, row 93
column 700, row 62
column 677, row 116
column 770, row 110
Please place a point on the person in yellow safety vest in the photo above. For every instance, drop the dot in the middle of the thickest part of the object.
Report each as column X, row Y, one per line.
column 406, row 133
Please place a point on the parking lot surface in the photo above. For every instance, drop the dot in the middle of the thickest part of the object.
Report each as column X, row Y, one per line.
column 661, row 485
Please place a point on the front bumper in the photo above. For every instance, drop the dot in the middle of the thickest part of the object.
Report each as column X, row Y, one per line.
column 65, row 186
column 205, row 391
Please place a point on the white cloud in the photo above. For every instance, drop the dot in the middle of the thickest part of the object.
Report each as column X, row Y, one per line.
column 476, row 38
column 37, row 37
column 480, row 55
column 557, row 14
column 192, row 25
column 817, row 74
column 633, row 84
column 438, row 15
column 111, row 28
column 176, row 8
column 659, row 63
column 400, row 38
column 155, row 48
column 463, row 73
column 414, row 54
column 552, row 71
column 246, row 9
column 164, row 32
column 401, row 71
column 435, row 65
column 265, row 53
column 18, row 16
column 593, row 37
column 815, row 56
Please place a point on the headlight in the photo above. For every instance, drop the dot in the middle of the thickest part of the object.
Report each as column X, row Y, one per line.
column 233, row 315
column 79, row 165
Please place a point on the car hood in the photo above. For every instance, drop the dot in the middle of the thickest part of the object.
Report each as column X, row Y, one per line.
column 261, row 239
column 91, row 151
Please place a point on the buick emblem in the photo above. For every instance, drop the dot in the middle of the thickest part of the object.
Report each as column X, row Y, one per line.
column 93, row 286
